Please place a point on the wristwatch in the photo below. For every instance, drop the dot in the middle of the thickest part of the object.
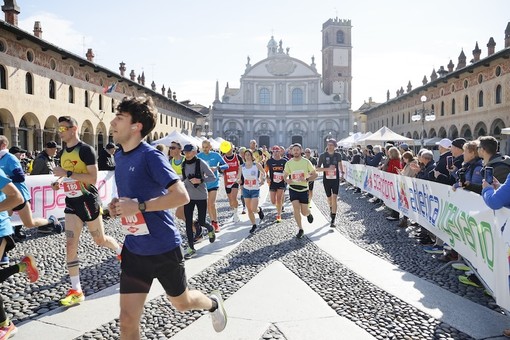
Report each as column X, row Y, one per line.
column 69, row 173
column 142, row 207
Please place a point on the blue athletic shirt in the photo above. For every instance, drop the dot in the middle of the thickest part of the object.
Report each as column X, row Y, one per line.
column 11, row 166
column 5, row 220
column 213, row 159
column 144, row 173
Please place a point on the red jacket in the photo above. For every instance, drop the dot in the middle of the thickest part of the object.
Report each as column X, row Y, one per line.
column 394, row 165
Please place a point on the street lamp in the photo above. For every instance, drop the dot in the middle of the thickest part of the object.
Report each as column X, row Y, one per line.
column 423, row 115
column 355, row 127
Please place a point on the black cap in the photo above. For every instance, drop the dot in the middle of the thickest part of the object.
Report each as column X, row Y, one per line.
column 110, row 146
column 51, row 145
column 16, row 149
column 189, row 147
column 459, row 142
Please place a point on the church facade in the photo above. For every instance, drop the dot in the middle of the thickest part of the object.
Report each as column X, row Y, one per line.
column 283, row 100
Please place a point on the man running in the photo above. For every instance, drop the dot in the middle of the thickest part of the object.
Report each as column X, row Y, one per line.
column 274, row 167
column 298, row 172
column 330, row 163
column 78, row 171
column 11, row 165
column 234, row 162
column 147, row 189
column 215, row 162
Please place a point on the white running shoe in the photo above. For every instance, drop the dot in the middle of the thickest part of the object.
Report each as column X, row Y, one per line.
column 219, row 316
column 235, row 216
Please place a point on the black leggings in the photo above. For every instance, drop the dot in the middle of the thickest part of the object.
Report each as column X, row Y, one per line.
column 188, row 214
column 4, row 274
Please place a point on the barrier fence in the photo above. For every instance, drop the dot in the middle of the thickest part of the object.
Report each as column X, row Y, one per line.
column 460, row 218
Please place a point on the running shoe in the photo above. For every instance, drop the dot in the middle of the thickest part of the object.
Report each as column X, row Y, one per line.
column 434, row 249
column 45, row 229
column 244, row 211
column 31, row 269
column 235, row 217
column 216, row 226
column 5, row 260
column 199, row 235
column 190, row 252
column 278, row 219
column 300, row 233
column 219, row 316
column 460, row 266
column 73, row 297
column 332, row 224
column 57, row 226
column 253, row 228
column 212, row 236
column 8, row 331
column 310, row 218
column 261, row 214
column 468, row 280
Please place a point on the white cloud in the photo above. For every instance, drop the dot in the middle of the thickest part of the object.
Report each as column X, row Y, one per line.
column 58, row 31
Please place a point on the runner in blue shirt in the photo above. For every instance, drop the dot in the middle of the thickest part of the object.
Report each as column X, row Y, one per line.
column 215, row 162
column 147, row 189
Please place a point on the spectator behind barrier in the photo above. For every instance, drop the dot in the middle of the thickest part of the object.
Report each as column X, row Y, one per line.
column 470, row 175
column 440, row 173
column 44, row 162
column 488, row 151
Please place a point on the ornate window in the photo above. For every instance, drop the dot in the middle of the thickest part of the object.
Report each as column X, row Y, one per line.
column 480, row 99
column 86, row 98
column 51, row 89
column 29, row 84
column 71, row 94
column 453, row 106
column 100, row 102
column 442, row 108
column 466, row 103
column 297, row 96
column 3, row 78
column 264, row 96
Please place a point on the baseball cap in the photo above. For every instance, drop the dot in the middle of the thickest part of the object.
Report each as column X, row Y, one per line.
column 445, row 143
column 51, row 145
column 16, row 149
column 189, row 147
column 110, row 146
column 459, row 142
column 404, row 146
column 332, row 141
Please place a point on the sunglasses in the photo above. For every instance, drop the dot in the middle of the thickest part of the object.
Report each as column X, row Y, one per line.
column 63, row 128
column 173, row 147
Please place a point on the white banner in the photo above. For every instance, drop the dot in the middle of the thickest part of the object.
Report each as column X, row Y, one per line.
column 46, row 201
column 460, row 218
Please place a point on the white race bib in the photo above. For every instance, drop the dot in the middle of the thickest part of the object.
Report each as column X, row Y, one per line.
column 230, row 177
column 298, row 176
column 72, row 188
column 331, row 174
column 250, row 183
column 277, row 177
column 134, row 225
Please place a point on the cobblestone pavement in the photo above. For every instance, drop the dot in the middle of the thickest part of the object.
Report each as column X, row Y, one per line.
column 378, row 312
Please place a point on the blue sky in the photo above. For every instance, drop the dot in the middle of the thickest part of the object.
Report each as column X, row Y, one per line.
column 188, row 45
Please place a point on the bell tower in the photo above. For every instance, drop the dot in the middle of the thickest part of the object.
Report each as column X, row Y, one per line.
column 337, row 58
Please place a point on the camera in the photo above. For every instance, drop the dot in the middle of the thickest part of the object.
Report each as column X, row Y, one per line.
column 462, row 176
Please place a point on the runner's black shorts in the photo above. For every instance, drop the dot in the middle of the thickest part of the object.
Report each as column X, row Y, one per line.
column 212, row 189
column 277, row 186
column 228, row 190
column 310, row 185
column 301, row 196
column 138, row 272
column 331, row 186
column 87, row 207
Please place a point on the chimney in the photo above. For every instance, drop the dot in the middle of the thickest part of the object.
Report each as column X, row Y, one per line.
column 139, row 79
column 424, row 81
column 90, row 55
column 476, row 53
column 491, row 46
column 122, row 68
column 169, row 93
column 38, row 29
column 450, row 66
column 163, row 90
column 462, row 60
column 507, row 35
column 132, row 75
column 409, row 87
column 153, row 86
column 142, row 78
column 442, row 72
column 11, row 10
column 433, row 76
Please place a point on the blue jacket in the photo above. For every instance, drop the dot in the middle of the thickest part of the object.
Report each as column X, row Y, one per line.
column 497, row 199
column 213, row 159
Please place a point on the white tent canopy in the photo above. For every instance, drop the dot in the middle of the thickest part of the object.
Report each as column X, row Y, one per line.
column 177, row 137
column 352, row 139
column 383, row 135
column 505, row 131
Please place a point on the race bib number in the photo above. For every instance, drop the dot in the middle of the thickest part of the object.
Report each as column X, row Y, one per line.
column 250, row 183
column 277, row 177
column 72, row 188
column 231, row 177
column 298, row 176
column 134, row 225
column 331, row 174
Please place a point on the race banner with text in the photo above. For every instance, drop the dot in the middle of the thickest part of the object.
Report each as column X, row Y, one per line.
column 459, row 218
column 46, row 201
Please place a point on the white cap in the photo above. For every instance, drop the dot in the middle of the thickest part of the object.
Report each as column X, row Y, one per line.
column 445, row 143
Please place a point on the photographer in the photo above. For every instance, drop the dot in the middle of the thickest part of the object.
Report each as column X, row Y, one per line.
column 469, row 175
column 195, row 173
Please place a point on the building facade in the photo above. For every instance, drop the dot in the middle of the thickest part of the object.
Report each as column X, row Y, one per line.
column 40, row 82
column 469, row 100
column 283, row 100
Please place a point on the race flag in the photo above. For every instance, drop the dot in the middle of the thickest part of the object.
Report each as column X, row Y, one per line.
column 109, row 89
